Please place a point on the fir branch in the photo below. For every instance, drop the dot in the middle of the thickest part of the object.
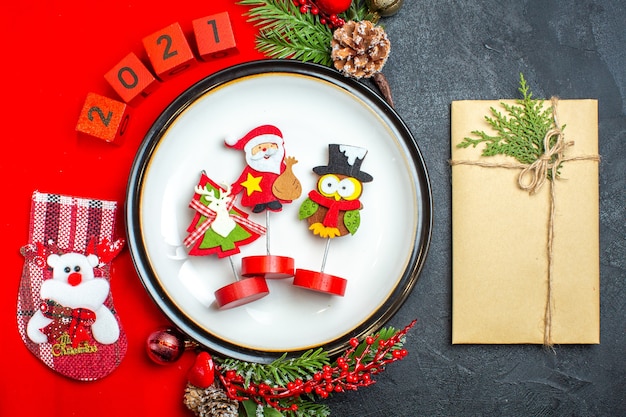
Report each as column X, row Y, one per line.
column 306, row 408
column 284, row 32
column 280, row 371
column 521, row 133
column 384, row 335
column 274, row 45
column 309, row 409
column 291, row 386
column 281, row 16
column 359, row 11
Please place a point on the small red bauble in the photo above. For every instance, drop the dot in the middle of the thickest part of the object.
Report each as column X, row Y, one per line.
column 331, row 7
column 202, row 373
column 165, row 346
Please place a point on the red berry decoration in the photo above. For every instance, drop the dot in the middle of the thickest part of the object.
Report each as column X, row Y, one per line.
column 333, row 7
column 202, row 373
column 354, row 369
column 326, row 10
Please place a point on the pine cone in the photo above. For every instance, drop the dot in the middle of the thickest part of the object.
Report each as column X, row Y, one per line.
column 360, row 49
column 210, row 402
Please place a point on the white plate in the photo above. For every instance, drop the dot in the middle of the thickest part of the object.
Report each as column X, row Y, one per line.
column 313, row 106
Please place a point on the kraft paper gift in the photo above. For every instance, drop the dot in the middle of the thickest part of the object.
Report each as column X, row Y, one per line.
column 506, row 289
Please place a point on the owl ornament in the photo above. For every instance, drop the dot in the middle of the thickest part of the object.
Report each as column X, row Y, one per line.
column 333, row 210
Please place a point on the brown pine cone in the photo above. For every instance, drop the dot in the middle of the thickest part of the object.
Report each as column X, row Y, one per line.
column 210, row 402
column 360, row 49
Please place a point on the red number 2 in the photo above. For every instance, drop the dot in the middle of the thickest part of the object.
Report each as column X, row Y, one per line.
column 167, row 53
column 105, row 120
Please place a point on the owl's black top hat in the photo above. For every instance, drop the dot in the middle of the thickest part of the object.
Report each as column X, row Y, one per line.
column 345, row 160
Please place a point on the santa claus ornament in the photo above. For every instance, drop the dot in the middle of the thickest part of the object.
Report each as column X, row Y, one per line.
column 333, row 210
column 65, row 311
column 266, row 184
column 220, row 228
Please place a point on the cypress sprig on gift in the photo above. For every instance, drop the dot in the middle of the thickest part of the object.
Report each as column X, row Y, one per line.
column 521, row 133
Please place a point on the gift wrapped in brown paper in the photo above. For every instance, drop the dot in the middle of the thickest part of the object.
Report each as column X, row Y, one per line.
column 525, row 239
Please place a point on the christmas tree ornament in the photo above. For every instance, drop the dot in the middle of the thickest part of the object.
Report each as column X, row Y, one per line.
column 166, row 345
column 333, row 210
column 65, row 311
column 266, row 184
column 221, row 228
column 385, row 8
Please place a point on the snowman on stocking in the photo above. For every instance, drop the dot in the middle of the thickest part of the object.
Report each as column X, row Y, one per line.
column 73, row 305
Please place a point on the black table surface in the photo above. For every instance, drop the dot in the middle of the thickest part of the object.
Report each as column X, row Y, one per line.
column 446, row 50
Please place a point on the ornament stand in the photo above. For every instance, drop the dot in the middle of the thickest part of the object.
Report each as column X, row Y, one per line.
column 240, row 292
column 268, row 266
column 320, row 281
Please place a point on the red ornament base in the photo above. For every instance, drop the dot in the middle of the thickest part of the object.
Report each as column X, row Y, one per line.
column 320, row 281
column 241, row 292
column 268, row 266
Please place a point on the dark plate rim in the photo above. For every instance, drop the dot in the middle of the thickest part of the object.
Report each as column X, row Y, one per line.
column 267, row 66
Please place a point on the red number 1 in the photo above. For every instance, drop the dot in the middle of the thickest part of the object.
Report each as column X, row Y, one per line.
column 214, row 36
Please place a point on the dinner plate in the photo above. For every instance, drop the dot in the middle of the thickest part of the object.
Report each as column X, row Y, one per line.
column 313, row 106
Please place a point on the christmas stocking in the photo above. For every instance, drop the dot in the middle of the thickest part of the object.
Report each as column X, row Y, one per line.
column 65, row 311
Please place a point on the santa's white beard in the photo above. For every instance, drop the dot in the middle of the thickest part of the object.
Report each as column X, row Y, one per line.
column 269, row 161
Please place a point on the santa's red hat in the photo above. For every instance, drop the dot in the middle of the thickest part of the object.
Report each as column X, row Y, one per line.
column 261, row 134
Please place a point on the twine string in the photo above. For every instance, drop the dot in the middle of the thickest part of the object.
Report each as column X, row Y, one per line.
column 547, row 327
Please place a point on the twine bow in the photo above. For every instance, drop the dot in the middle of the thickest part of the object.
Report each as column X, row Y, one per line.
column 532, row 178
column 547, row 162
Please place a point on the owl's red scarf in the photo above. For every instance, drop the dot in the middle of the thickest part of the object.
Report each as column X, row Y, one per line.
column 334, row 207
